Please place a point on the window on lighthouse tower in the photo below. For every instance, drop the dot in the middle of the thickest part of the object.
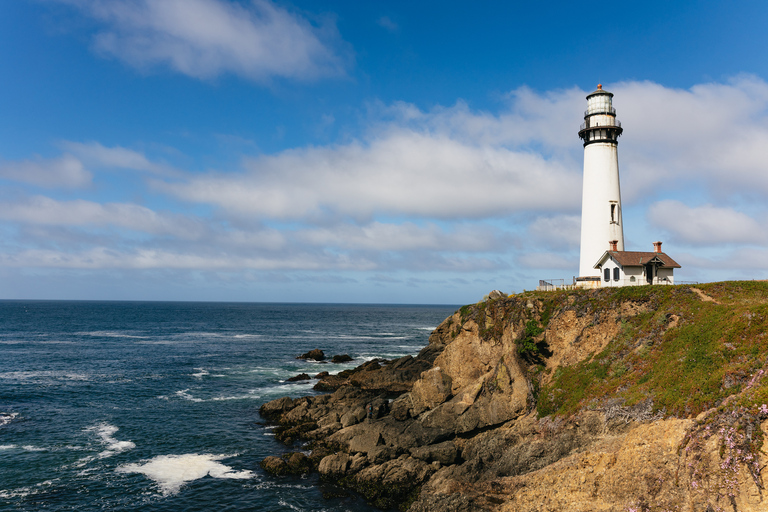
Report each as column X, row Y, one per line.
column 613, row 213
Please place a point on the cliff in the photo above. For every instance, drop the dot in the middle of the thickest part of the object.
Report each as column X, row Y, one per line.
column 630, row 399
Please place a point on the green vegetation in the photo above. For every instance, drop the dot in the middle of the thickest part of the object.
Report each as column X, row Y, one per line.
column 527, row 345
column 684, row 353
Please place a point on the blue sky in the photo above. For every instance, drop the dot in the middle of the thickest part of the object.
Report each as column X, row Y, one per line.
column 339, row 151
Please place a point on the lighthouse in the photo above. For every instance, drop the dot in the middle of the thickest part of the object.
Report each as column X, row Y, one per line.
column 603, row 260
column 602, row 227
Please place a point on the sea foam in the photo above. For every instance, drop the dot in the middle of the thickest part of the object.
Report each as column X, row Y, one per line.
column 170, row 472
column 105, row 431
column 23, row 492
column 6, row 417
column 43, row 376
column 184, row 393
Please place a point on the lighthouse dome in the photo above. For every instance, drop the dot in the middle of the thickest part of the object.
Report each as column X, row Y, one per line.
column 600, row 102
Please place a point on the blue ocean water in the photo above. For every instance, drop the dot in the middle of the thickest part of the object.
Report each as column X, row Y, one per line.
column 154, row 406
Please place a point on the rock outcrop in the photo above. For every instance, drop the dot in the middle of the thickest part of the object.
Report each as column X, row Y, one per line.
column 295, row 463
column 314, row 355
column 550, row 403
column 298, row 378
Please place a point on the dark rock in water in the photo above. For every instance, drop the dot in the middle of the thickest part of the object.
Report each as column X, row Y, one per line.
column 299, row 377
column 299, row 463
column 378, row 375
column 394, row 377
column 343, row 358
column 333, row 491
column 321, row 375
column 295, row 463
column 334, row 466
column 315, row 355
column 391, row 483
column 274, row 466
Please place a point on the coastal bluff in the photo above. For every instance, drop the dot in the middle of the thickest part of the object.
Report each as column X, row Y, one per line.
column 636, row 399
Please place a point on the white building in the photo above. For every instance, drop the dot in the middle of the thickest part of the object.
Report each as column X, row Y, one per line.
column 633, row 268
column 602, row 225
column 601, row 213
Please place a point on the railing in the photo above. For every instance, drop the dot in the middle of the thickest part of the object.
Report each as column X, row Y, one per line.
column 597, row 111
column 611, row 122
column 550, row 285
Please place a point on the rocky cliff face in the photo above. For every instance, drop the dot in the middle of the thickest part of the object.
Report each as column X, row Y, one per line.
column 576, row 401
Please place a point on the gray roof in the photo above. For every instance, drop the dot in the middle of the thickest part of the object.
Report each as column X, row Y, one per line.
column 599, row 91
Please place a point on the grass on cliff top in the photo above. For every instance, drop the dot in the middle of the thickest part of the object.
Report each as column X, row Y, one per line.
column 685, row 354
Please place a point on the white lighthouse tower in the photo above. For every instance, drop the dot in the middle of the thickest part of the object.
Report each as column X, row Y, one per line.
column 602, row 228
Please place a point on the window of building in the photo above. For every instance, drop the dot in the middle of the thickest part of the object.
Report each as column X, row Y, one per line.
column 632, row 279
column 607, row 274
column 615, row 273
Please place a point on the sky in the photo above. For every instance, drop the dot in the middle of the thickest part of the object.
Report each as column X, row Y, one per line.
column 367, row 152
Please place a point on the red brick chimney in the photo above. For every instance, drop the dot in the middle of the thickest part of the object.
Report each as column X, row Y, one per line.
column 614, row 245
column 656, row 246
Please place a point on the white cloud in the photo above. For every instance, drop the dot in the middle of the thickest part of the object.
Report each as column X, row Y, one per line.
column 63, row 171
column 72, row 169
column 103, row 257
column 44, row 210
column 402, row 173
column 448, row 190
column 206, row 38
column 706, row 225
column 712, row 136
column 97, row 155
column 548, row 121
column 741, row 263
column 199, row 258
column 546, row 260
column 255, row 238
column 557, row 232
column 378, row 236
column 85, row 215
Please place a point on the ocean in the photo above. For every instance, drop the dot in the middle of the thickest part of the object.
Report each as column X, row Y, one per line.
column 154, row 405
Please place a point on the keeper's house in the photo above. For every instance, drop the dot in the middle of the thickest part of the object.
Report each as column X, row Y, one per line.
column 632, row 268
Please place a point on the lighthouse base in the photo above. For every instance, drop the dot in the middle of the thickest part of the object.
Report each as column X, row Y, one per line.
column 588, row 282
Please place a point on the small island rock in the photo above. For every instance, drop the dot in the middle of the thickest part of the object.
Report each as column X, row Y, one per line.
column 299, row 377
column 315, row 355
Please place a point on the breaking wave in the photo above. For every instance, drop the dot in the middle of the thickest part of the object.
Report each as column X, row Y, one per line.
column 171, row 472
